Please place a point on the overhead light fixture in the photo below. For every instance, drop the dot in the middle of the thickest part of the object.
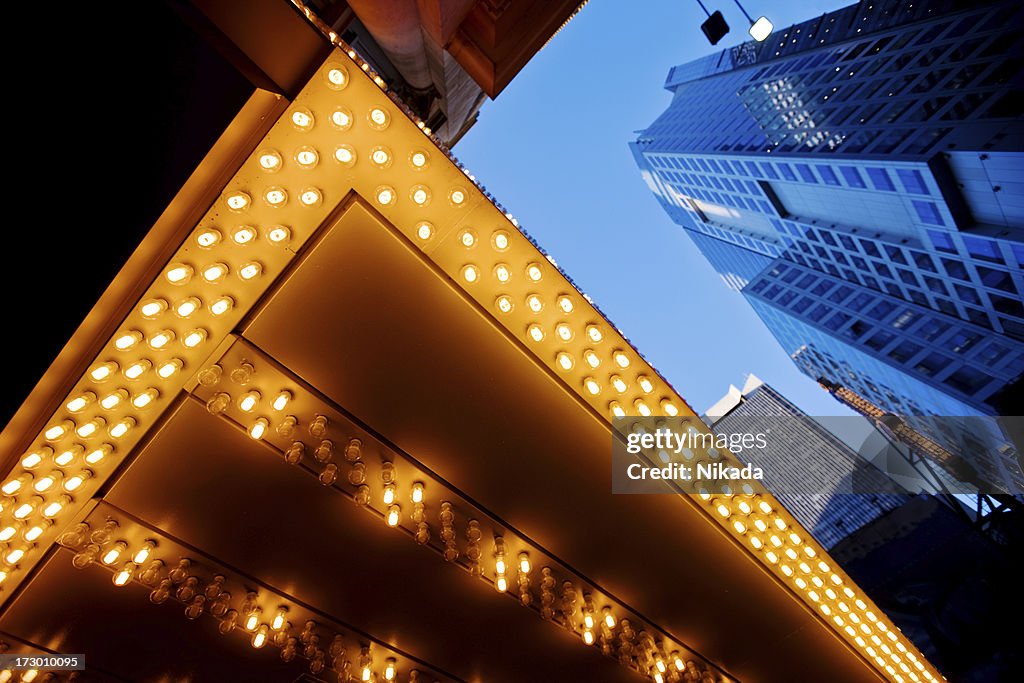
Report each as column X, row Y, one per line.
column 760, row 29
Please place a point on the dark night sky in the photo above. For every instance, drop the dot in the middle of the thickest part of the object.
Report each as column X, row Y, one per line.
column 106, row 130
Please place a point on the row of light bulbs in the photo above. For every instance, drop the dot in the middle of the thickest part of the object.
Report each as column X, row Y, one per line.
column 214, row 597
column 759, row 523
column 510, row 573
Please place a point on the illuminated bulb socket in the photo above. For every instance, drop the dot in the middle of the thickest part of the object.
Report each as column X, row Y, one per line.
column 26, row 508
column 467, row 238
column 243, row 235
column 565, row 304
column 394, row 516
column 419, row 159
column 160, row 339
column 54, row 508
column 120, row 428
column 281, row 400
column 534, row 303
column 208, row 237
column 457, row 197
column 124, row 576
column 564, row 332
column 145, row 399
column 238, row 201
column 72, row 484
column 341, row 118
column 378, row 118
column 97, row 455
column 385, row 195
column 275, row 197
column 12, row 558
column 565, row 361
column 307, row 157
column 647, row 386
column 14, row 485
column 504, row 304
column 33, row 533
column 534, row 272
column 501, row 584
column 502, row 273
column 259, row 637
column 136, row 370
column 390, row 669
column 592, row 386
column 417, row 494
column 310, row 197
column 380, row 157
column 619, row 384
column 249, row 401
column 500, row 241
column 621, row 359
column 616, row 409
column 259, row 428
column 34, row 458
column 151, row 308
column 345, row 155
column 302, row 119
column 535, row 333
column 80, row 402
column 178, row 273
column 270, row 160
column 90, row 428
column 593, row 360
column 336, row 77
column 127, row 340
column 470, row 273
column 169, row 368
column 420, row 195
column 194, row 338
column 46, row 483
column 222, row 305
column 59, row 431
column 424, row 230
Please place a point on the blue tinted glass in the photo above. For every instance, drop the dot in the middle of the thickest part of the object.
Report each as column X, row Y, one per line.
column 913, row 181
column 880, row 179
column 765, row 206
column 806, row 173
column 752, row 187
column 737, row 168
column 769, row 170
column 787, row 172
column 928, row 213
column 1018, row 253
column 982, row 248
column 827, row 175
column 752, row 167
column 704, row 165
column 941, row 241
column 852, row 176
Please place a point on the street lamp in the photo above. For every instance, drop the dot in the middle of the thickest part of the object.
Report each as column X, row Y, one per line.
column 760, row 29
column 714, row 27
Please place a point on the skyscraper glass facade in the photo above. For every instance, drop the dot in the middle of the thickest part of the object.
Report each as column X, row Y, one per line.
column 859, row 177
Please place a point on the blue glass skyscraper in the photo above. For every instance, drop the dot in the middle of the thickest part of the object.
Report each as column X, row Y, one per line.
column 859, row 177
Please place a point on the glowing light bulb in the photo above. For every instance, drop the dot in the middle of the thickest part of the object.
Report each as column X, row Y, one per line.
column 29, row 675
column 90, row 428
column 504, row 304
column 535, row 332
column 457, row 197
column 470, row 273
column 275, row 196
column 563, row 331
column 112, row 555
column 14, row 485
column 345, row 155
column 35, row 457
column 98, row 454
column 306, row 157
column 79, row 402
column 58, row 431
column 194, row 338
column 125, row 575
column 7, row 533
column 418, row 159
column 389, row 669
column 658, row 677
column 208, row 238
column 102, row 371
column 46, row 483
column 281, row 401
column 669, row 408
column 178, row 273
column 394, row 515
column 524, row 563
column 66, row 457
column 119, row 429
column 277, row 235
column 389, row 494
column 270, row 160
column 424, row 230
column 259, row 638
column 621, row 359
column 501, row 584
column 619, row 384
column 128, row 340
column 341, row 118
column 145, row 398
column 221, row 305
column 249, row 401
column 258, row 428
column 502, row 273
column 609, row 618
column 594, row 333
column 133, row 371
column 15, row 556
column 381, row 157
column 592, row 386
column 310, row 197
column 616, row 409
column 565, row 361
column 144, row 552
column 25, row 509
column 534, row 273
column 378, row 118
column 642, row 408
column 420, row 195
column 417, row 492
column 279, row 618
column 467, row 238
column 161, row 339
column 36, row 531
column 302, row 119
column 593, row 360
column 168, row 369
column 186, row 307
column 215, row 272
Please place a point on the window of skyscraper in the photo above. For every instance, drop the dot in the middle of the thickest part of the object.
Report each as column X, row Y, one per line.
column 852, row 176
column 941, row 241
column 769, row 171
column 927, row 212
column 982, row 248
column 880, row 179
column 806, row 173
column 828, row 175
column 787, row 172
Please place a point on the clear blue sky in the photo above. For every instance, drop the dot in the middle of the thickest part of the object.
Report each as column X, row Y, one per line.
column 552, row 149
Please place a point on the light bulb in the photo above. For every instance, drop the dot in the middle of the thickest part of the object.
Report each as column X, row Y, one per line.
column 417, row 492
column 252, row 620
column 98, row 454
column 345, row 155
column 259, row 638
column 594, row 332
column 457, row 197
column 46, row 483
column 380, row 156
column 36, row 531
column 112, row 555
column 470, row 273
column 114, row 398
column 646, row 386
column 15, row 555
column 178, row 273
column 592, row 386
column 378, row 118
column 419, row 159
column 534, row 273
column 565, row 361
column 144, row 552
column 642, row 408
column 128, row 340
column 621, row 359
column 79, row 402
column 565, row 303
column 250, row 271
column 221, row 305
column 74, row 483
column 424, row 230
column 133, row 371
column 35, row 457
column 389, row 494
column 389, row 669
column 194, row 338
column 609, row 618
column 270, row 160
column 145, row 398
column 535, row 332
column 502, row 273
column 58, row 431
column 279, row 618
column 119, row 429
column 161, row 339
column 563, row 331
column 89, row 428
column 7, row 533
column 394, row 515
column 249, row 401
column 760, row 29
column 25, row 509
column 125, row 575
column 534, row 303
column 310, row 196
column 504, row 304
column 302, row 119
column 281, row 401
column 208, row 238
column 14, row 485
column 102, row 371
column 341, row 118
column 168, row 369
column 467, row 238
column 420, row 195
column 258, row 428
column 588, row 637
column 593, row 360
column 619, row 384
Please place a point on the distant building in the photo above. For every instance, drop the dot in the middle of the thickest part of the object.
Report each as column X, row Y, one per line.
column 859, row 177
column 821, row 480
